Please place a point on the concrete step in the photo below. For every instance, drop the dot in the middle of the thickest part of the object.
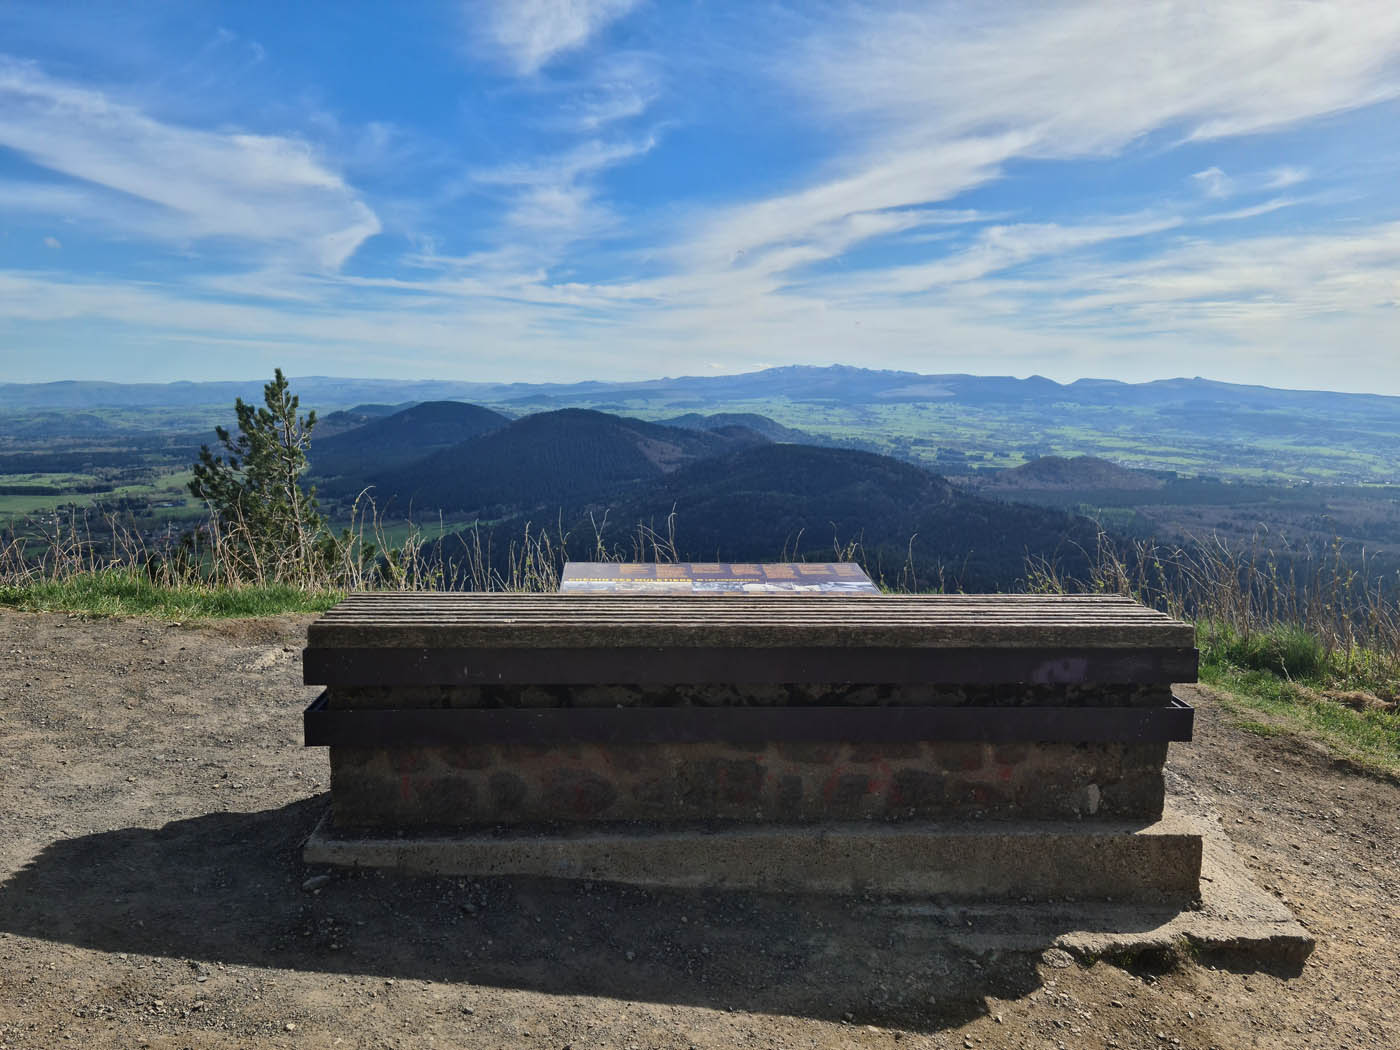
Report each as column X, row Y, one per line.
column 976, row 860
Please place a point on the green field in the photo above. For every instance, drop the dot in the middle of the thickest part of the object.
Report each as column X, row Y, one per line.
column 955, row 438
column 168, row 486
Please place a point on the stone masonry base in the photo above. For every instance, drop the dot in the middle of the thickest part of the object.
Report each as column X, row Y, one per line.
column 482, row 785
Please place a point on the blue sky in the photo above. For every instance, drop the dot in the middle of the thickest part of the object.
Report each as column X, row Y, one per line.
column 571, row 189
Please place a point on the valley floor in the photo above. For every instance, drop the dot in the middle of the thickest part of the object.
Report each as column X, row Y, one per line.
column 154, row 794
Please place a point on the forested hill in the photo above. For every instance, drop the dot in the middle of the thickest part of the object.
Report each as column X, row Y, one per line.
column 756, row 503
column 550, row 459
column 330, row 424
column 382, row 444
column 769, row 428
column 1077, row 472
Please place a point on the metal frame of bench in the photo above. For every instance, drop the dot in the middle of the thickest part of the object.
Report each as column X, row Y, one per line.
column 391, row 727
column 377, row 640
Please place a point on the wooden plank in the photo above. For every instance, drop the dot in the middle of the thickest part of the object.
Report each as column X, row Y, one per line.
column 661, row 665
column 701, row 605
column 789, row 606
column 754, row 634
column 581, row 621
column 742, row 725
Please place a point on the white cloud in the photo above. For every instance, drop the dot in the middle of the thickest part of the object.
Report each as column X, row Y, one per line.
column 1213, row 182
column 1259, row 279
column 999, row 248
column 1090, row 77
column 533, row 32
column 933, row 101
column 612, row 89
column 1262, row 208
column 176, row 183
column 899, row 179
column 1286, row 176
column 623, row 102
column 547, row 204
column 53, row 243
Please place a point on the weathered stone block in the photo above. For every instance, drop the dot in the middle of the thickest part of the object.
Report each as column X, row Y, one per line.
column 508, row 792
column 919, row 790
column 578, row 792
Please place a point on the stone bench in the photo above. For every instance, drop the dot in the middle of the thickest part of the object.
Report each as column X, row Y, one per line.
column 965, row 744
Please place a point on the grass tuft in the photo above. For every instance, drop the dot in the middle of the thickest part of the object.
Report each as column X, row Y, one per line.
column 1285, row 650
column 1264, row 729
column 127, row 592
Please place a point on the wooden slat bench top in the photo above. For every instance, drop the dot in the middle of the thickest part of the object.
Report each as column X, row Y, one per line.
column 590, row 621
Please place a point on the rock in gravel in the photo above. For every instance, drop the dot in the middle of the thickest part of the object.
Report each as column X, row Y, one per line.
column 314, row 883
column 1057, row 958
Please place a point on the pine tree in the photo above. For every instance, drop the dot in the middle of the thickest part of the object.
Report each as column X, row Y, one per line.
column 254, row 489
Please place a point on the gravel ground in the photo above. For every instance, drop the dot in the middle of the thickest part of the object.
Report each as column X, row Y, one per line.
column 154, row 796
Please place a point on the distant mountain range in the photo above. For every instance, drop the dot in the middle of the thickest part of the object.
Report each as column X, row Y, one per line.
column 842, row 384
column 956, row 425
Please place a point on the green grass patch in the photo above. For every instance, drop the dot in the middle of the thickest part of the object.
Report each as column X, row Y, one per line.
column 1286, row 652
column 1264, row 729
column 125, row 593
column 1368, row 737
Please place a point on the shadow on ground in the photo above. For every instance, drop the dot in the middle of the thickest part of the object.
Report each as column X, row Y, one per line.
column 227, row 887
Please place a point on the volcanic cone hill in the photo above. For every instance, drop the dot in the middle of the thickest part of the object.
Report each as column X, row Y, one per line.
column 393, row 441
column 343, row 420
column 769, row 428
column 550, row 459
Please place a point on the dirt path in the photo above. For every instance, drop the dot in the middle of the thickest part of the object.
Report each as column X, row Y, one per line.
column 154, row 795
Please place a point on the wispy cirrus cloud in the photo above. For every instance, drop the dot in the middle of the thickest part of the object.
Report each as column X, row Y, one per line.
column 1089, row 77
column 1266, row 279
column 614, row 89
column 127, row 170
column 530, row 33
column 543, row 206
column 1281, row 178
column 937, row 100
column 1213, row 182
